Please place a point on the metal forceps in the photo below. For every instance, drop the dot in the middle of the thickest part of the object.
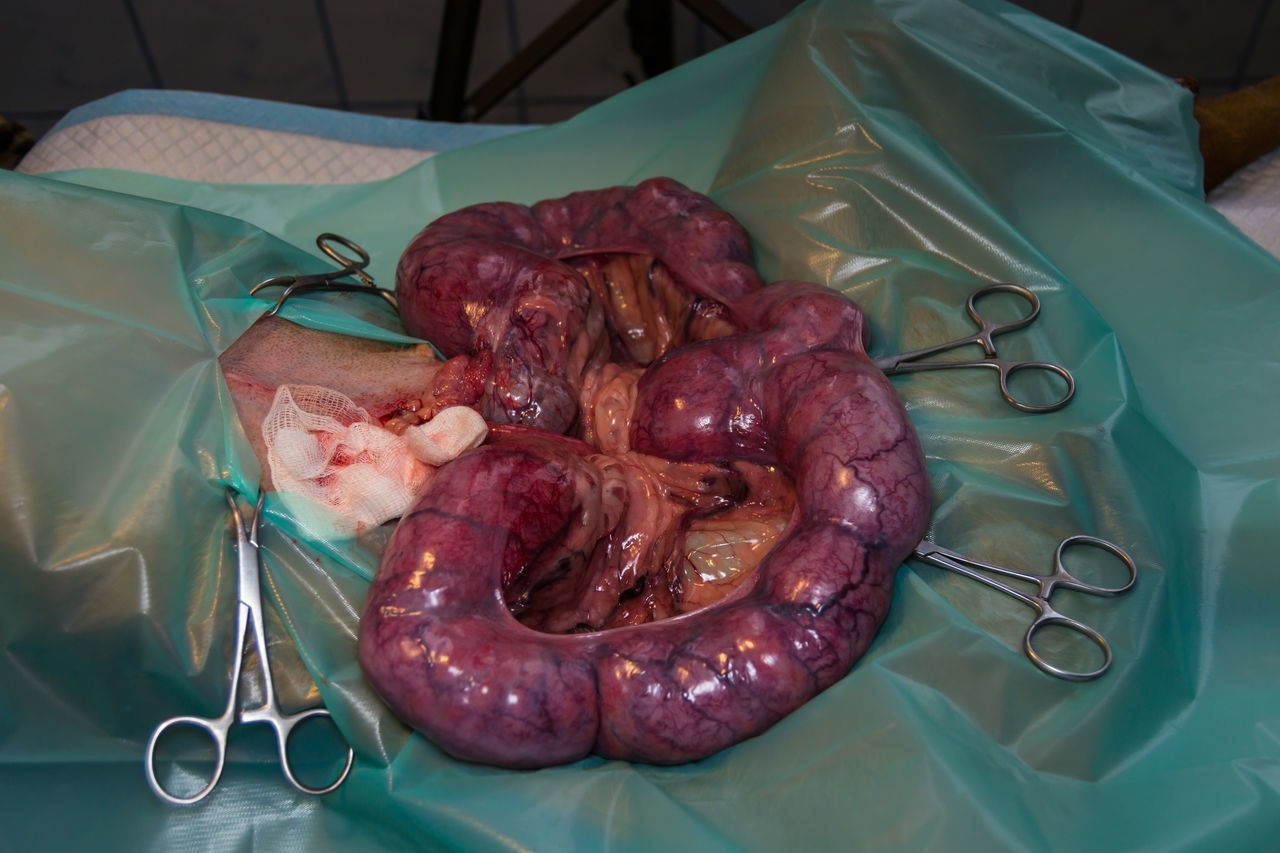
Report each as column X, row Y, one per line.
column 248, row 620
column 295, row 285
column 1046, row 615
column 909, row 362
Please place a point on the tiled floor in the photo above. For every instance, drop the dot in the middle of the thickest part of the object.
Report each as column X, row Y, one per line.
column 376, row 56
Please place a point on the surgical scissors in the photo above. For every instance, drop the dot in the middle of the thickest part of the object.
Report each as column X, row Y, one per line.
column 248, row 621
column 909, row 362
column 1046, row 615
column 295, row 285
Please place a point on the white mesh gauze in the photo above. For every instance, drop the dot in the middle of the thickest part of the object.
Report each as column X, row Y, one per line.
column 323, row 446
column 450, row 432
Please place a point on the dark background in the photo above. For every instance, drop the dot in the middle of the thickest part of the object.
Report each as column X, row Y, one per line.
column 378, row 56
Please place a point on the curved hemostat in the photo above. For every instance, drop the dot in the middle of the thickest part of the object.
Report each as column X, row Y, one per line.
column 297, row 285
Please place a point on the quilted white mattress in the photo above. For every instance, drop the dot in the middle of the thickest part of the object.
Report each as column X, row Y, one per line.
column 222, row 139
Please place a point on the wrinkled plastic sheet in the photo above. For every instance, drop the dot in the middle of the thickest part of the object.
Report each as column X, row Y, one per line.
column 903, row 153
